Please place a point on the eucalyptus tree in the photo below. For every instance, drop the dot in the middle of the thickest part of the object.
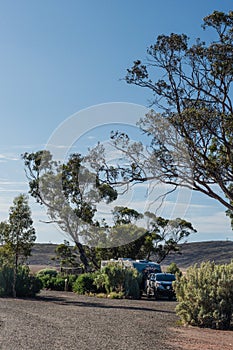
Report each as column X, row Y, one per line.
column 70, row 194
column 165, row 235
column 190, row 124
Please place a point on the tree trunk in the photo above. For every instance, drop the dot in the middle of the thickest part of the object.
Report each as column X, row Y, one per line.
column 83, row 256
column 15, row 276
column 93, row 258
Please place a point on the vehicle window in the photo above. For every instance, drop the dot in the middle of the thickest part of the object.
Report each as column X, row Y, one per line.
column 166, row 278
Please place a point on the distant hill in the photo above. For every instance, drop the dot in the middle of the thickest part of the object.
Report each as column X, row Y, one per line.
column 191, row 253
column 220, row 252
column 42, row 254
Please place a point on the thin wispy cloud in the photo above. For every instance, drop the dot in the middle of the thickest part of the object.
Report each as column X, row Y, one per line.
column 9, row 157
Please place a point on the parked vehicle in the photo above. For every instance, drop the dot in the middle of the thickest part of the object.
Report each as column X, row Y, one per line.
column 160, row 285
column 142, row 266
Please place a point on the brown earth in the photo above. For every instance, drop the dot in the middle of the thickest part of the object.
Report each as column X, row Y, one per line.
column 59, row 320
column 191, row 253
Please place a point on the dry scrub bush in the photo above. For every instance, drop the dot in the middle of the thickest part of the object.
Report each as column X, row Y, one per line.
column 205, row 296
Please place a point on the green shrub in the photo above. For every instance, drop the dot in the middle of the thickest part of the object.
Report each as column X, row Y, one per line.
column 47, row 272
column 51, row 279
column 131, row 284
column 6, row 281
column 114, row 278
column 100, row 282
column 57, row 283
column 173, row 268
column 71, row 279
column 205, row 296
column 26, row 285
column 85, row 284
column 47, row 281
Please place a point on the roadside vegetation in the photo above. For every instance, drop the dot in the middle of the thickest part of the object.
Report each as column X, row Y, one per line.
column 205, row 296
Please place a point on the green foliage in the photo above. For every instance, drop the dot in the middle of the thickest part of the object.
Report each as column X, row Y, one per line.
column 51, row 279
column 69, row 192
column 17, row 237
column 173, row 268
column 114, row 278
column 85, row 284
column 47, row 277
column 26, row 285
column 131, row 284
column 125, row 215
column 47, row 271
column 66, row 255
column 190, row 129
column 58, row 283
column 71, row 279
column 205, row 296
column 6, row 280
column 161, row 237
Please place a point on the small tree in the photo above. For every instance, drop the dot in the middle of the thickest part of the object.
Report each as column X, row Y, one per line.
column 161, row 238
column 164, row 235
column 65, row 254
column 18, row 235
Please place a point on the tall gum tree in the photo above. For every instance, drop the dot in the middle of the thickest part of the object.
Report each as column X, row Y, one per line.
column 70, row 193
column 190, row 125
column 193, row 90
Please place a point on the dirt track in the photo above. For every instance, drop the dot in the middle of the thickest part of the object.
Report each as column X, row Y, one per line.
column 57, row 321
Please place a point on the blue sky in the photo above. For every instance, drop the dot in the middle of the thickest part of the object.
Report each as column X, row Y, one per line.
column 60, row 57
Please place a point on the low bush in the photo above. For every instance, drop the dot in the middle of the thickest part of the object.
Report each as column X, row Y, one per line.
column 71, row 279
column 131, row 284
column 111, row 279
column 6, row 281
column 51, row 279
column 47, row 272
column 85, row 284
column 205, row 296
column 26, row 284
column 114, row 278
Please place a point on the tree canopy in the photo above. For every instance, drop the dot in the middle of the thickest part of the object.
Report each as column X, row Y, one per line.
column 190, row 125
column 70, row 193
column 194, row 91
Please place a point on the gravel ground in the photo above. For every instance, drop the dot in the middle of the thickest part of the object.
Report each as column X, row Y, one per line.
column 59, row 320
column 65, row 321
